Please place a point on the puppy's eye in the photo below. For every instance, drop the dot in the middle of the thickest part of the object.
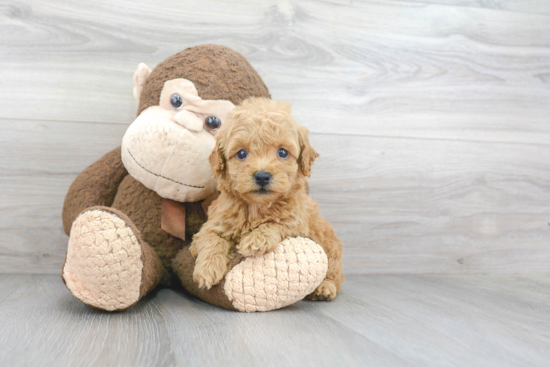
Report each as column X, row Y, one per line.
column 176, row 101
column 283, row 153
column 213, row 122
column 242, row 154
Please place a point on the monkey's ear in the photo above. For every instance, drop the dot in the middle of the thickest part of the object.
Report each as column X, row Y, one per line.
column 307, row 153
column 217, row 158
column 140, row 76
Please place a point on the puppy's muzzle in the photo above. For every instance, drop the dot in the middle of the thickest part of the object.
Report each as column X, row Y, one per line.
column 262, row 178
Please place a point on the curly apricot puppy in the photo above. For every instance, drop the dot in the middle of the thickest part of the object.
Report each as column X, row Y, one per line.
column 262, row 158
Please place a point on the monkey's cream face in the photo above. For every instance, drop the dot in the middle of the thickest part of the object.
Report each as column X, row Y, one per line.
column 166, row 148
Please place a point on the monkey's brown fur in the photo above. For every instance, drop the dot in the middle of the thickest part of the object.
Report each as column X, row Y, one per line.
column 250, row 222
column 218, row 73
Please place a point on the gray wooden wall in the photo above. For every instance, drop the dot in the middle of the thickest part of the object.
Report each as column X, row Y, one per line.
column 432, row 117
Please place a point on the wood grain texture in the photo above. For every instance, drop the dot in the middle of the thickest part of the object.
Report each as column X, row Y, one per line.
column 371, row 67
column 44, row 325
column 454, row 212
column 431, row 117
column 395, row 320
column 527, row 6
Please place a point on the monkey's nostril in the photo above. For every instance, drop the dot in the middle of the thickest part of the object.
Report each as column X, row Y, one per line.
column 262, row 178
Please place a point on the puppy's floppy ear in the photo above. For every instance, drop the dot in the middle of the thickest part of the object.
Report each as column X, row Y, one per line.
column 307, row 153
column 217, row 157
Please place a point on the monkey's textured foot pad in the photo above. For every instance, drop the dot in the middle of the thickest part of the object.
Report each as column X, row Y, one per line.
column 103, row 267
column 277, row 279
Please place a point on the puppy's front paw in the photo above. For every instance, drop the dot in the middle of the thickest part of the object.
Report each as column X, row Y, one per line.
column 326, row 291
column 258, row 242
column 210, row 271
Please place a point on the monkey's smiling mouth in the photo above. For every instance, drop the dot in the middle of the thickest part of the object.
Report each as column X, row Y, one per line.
column 157, row 175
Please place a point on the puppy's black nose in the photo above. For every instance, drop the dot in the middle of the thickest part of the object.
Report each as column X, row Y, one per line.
column 262, row 178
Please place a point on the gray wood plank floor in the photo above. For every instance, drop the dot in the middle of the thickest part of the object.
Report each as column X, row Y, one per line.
column 431, row 117
column 378, row 320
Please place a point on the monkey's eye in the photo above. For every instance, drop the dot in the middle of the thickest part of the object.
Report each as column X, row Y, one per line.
column 176, row 101
column 283, row 153
column 213, row 122
column 242, row 154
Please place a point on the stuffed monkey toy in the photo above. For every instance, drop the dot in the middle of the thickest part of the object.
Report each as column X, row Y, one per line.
column 131, row 215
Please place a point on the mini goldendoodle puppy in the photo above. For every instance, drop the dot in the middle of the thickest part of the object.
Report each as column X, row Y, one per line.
column 262, row 158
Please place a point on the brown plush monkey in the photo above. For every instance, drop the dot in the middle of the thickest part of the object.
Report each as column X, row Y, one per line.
column 132, row 214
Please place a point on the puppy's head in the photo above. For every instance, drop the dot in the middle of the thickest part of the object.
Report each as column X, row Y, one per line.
column 261, row 153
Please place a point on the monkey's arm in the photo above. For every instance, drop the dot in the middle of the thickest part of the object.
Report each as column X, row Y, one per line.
column 95, row 186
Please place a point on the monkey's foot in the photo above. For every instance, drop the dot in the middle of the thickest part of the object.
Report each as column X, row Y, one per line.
column 104, row 266
column 261, row 283
column 277, row 279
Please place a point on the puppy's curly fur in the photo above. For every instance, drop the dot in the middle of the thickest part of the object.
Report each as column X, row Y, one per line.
column 252, row 216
